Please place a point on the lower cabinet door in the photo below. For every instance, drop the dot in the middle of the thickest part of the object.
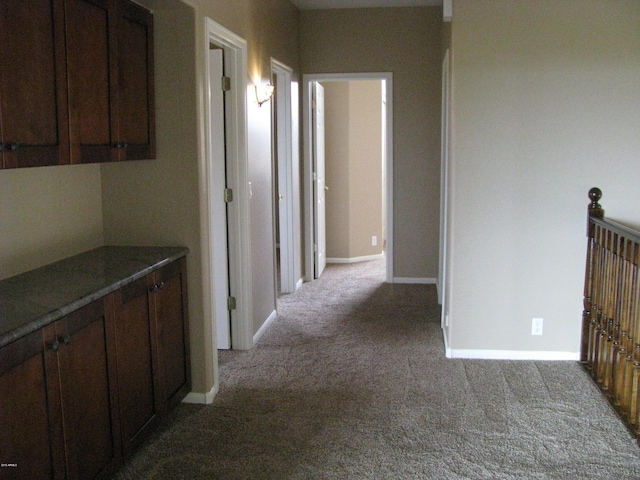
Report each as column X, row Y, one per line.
column 168, row 304
column 135, row 334
column 26, row 412
column 88, row 393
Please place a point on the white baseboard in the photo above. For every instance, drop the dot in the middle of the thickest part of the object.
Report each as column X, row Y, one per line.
column 445, row 336
column 202, row 398
column 423, row 281
column 511, row 354
column 365, row 258
column 264, row 326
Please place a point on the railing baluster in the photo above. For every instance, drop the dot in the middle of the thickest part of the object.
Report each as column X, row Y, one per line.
column 610, row 348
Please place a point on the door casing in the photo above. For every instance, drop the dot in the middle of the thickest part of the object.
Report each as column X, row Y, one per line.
column 287, row 201
column 307, row 122
column 235, row 66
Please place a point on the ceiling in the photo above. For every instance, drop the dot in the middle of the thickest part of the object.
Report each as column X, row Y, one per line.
column 326, row 4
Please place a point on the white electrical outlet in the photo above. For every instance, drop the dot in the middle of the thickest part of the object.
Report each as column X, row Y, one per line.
column 536, row 326
column 374, row 241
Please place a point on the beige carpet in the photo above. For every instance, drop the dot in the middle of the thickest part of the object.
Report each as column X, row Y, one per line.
column 351, row 382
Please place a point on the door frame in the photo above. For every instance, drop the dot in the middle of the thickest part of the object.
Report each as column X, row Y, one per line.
column 307, row 80
column 216, row 163
column 287, row 207
column 445, row 135
column 235, row 65
column 318, row 165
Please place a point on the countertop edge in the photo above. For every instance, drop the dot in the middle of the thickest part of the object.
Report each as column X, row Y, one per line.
column 56, row 314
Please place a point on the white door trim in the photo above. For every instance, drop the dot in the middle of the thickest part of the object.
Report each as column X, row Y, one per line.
column 216, row 165
column 444, row 191
column 288, row 183
column 319, row 181
column 307, row 80
column 235, row 60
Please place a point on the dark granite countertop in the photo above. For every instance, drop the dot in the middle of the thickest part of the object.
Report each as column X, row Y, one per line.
column 34, row 299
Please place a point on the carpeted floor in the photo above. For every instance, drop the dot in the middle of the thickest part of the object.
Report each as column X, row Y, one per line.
column 351, row 382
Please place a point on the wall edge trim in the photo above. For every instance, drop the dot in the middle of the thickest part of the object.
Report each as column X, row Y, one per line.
column 205, row 398
column 416, row 280
column 265, row 326
column 481, row 354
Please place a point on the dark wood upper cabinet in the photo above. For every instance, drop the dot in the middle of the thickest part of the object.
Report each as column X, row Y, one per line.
column 110, row 71
column 76, row 82
column 33, row 90
column 135, row 83
column 88, row 67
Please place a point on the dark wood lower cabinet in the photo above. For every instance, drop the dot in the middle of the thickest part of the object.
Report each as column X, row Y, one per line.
column 135, row 346
column 27, row 442
column 79, row 395
column 168, row 305
column 58, row 413
column 89, row 392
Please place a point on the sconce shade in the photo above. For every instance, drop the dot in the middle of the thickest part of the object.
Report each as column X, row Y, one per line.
column 263, row 93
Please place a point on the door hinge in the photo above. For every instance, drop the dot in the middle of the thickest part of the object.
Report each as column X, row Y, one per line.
column 226, row 84
column 228, row 195
column 315, row 247
column 313, row 104
column 231, row 303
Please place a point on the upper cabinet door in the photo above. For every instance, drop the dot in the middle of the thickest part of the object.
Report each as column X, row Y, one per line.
column 110, row 71
column 135, row 83
column 33, row 89
column 88, row 70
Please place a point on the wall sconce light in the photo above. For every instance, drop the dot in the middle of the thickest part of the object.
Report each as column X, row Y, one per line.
column 263, row 93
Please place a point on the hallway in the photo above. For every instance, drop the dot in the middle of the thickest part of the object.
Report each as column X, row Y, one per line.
column 351, row 382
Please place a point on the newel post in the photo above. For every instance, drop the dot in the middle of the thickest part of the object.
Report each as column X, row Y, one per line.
column 595, row 210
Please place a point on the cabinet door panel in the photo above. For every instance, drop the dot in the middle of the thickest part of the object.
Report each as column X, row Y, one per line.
column 87, row 385
column 135, row 94
column 170, row 304
column 33, row 86
column 88, row 72
column 25, row 436
column 136, row 389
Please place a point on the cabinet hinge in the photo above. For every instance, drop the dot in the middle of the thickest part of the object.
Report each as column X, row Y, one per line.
column 226, row 84
column 228, row 195
column 231, row 303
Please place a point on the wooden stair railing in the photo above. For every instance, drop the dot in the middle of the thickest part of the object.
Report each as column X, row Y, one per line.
column 611, row 325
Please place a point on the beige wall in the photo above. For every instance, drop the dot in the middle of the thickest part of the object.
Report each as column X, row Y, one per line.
column 270, row 28
column 47, row 214
column 157, row 202
column 365, row 167
column 407, row 42
column 336, row 136
column 545, row 106
column 51, row 213
column 353, row 151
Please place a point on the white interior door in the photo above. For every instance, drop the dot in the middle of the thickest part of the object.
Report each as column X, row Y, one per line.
column 320, row 244
column 285, row 195
column 217, row 165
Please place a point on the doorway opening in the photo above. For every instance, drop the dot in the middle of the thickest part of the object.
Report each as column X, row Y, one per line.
column 318, row 190
column 286, row 179
column 226, row 249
